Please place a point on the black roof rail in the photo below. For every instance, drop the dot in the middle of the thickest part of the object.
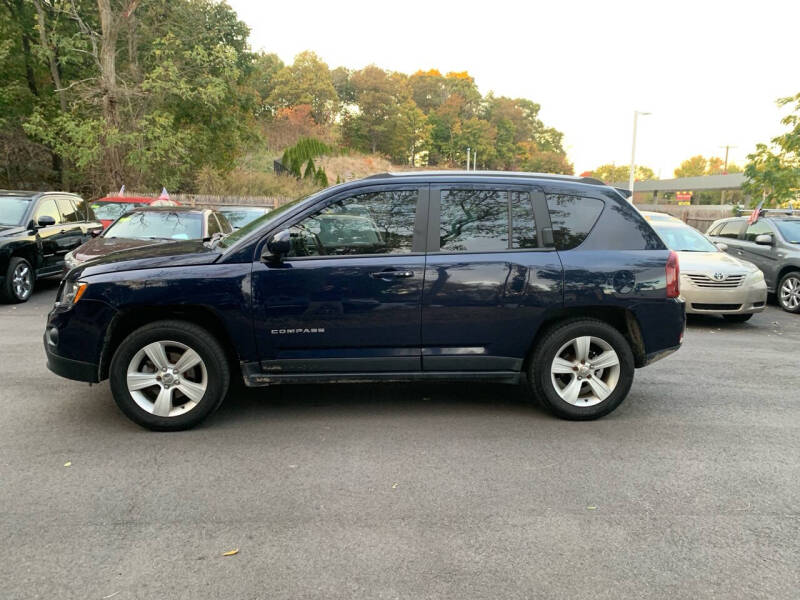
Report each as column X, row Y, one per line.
column 514, row 174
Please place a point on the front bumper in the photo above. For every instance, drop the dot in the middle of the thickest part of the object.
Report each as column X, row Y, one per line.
column 71, row 369
column 74, row 339
column 747, row 299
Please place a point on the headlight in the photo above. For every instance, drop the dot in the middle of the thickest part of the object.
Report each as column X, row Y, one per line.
column 72, row 292
column 70, row 260
column 757, row 275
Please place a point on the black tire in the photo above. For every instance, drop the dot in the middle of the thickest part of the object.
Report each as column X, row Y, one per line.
column 217, row 374
column 781, row 297
column 539, row 368
column 737, row 318
column 8, row 291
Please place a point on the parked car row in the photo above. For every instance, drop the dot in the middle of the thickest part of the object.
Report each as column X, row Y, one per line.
column 750, row 257
column 771, row 243
column 44, row 234
column 425, row 276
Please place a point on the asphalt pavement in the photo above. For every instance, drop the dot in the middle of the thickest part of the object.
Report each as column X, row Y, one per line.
column 691, row 489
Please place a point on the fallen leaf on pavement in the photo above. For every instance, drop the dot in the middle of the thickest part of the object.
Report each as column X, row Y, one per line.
column 394, row 485
column 591, row 508
column 231, row 552
column 68, row 463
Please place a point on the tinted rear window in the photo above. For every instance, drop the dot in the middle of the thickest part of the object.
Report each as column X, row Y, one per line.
column 572, row 218
column 478, row 220
column 731, row 229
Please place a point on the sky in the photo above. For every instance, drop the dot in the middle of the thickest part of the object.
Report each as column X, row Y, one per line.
column 708, row 71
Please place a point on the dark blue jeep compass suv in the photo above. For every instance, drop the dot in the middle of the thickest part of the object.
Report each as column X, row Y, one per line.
column 422, row 276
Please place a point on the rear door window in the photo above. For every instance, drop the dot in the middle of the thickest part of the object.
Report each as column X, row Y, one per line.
column 756, row 229
column 68, row 210
column 572, row 218
column 481, row 220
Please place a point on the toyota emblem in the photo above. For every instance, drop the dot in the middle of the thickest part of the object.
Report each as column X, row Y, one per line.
column 719, row 276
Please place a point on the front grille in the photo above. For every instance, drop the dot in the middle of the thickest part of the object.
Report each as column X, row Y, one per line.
column 704, row 281
column 704, row 306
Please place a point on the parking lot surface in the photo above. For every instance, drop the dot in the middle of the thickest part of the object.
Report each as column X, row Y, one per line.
column 691, row 489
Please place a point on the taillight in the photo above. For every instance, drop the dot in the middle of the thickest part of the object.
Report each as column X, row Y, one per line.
column 673, row 275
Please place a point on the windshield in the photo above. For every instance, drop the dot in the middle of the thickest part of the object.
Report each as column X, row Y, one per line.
column 12, row 209
column 111, row 210
column 684, row 239
column 252, row 226
column 143, row 225
column 241, row 217
column 790, row 230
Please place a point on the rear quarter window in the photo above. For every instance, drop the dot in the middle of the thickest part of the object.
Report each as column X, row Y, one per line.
column 572, row 218
column 730, row 229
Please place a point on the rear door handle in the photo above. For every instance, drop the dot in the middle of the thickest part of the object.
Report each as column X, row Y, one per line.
column 391, row 274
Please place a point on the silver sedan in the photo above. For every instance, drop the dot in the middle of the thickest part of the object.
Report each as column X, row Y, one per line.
column 713, row 282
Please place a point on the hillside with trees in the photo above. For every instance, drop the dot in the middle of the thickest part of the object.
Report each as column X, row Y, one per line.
column 99, row 93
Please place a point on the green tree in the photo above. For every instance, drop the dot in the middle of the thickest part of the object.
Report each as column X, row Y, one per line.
column 773, row 170
column 428, row 89
column 264, row 72
column 692, row 167
column 379, row 95
column 611, row 173
column 182, row 106
column 306, row 81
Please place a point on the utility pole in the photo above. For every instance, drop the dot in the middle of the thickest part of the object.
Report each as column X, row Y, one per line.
column 725, row 170
column 636, row 114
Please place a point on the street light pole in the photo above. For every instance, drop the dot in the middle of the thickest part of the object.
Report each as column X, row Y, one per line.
column 636, row 114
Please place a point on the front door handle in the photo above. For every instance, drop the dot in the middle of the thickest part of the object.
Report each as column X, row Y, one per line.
column 391, row 274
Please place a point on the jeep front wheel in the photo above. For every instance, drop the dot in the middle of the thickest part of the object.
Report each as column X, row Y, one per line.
column 169, row 375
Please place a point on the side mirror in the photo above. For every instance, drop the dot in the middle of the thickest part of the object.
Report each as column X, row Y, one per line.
column 764, row 239
column 95, row 232
column 278, row 246
column 46, row 221
column 723, row 247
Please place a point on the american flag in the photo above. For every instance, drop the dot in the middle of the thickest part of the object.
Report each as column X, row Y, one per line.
column 754, row 215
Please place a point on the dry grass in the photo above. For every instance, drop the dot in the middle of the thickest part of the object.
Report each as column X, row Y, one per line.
column 352, row 166
column 244, row 182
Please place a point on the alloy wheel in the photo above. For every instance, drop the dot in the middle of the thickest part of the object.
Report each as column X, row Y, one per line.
column 790, row 293
column 167, row 379
column 585, row 371
column 22, row 281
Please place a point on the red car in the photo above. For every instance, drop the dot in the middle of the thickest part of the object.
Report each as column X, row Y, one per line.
column 108, row 209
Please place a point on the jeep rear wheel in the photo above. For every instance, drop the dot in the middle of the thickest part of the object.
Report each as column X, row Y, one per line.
column 169, row 375
column 582, row 369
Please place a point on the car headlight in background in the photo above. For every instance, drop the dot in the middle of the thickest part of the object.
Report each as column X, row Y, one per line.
column 757, row 275
column 72, row 292
column 70, row 260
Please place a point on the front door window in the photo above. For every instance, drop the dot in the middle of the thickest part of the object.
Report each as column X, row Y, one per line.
column 366, row 224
